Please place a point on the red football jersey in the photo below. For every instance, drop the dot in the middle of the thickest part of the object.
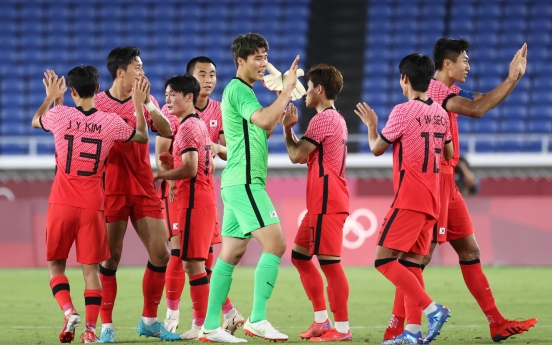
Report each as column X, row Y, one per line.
column 175, row 123
column 128, row 170
column 441, row 93
column 197, row 191
column 211, row 115
column 418, row 131
column 327, row 190
column 83, row 140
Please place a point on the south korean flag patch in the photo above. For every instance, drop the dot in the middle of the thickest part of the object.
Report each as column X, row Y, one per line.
column 213, row 123
column 442, row 231
column 273, row 214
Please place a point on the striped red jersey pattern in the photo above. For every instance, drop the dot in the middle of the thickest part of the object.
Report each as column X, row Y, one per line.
column 197, row 191
column 327, row 190
column 441, row 93
column 163, row 191
column 83, row 140
column 418, row 131
column 128, row 170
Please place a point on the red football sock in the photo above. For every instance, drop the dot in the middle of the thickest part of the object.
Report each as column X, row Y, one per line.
column 152, row 288
column 311, row 279
column 210, row 259
column 199, row 292
column 338, row 288
column 413, row 312
column 60, row 289
column 398, row 305
column 477, row 283
column 109, row 292
column 92, row 301
column 405, row 280
column 174, row 280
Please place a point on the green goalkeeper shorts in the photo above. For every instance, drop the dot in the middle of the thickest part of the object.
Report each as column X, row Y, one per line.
column 246, row 208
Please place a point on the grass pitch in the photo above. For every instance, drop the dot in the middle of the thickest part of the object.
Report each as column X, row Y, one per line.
column 30, row 314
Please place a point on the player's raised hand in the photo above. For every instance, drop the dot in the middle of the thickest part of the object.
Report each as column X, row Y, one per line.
column 518, row 63
column 291, row 78
column 290, row 118
column 55, row 87
column 273, row 80
column 366, row 114
column 140, row 89
column 165, row 158
column 147, row 99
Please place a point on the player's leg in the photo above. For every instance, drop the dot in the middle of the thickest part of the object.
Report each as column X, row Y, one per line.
column 327, row 241
column 402, row 231
column 311, row 279
column 117, row 211
column 62, row 224
column 92, row 229
column 174, row 276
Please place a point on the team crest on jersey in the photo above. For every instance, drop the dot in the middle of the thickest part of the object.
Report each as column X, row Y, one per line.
column 175, row 226
column 273, row 214
column 442, row 231
column 213, row 123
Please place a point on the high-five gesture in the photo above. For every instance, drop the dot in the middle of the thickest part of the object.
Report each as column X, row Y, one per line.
column 55, row 87
column 291, row 78
column 290, row 117
column 518, row 64
column 366, row 114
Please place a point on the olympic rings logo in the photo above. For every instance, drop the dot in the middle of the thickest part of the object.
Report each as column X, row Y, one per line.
column 355, row 227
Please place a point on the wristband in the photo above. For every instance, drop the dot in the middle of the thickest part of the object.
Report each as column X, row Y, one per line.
column 150, row 106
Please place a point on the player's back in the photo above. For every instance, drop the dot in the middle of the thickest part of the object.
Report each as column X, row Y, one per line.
column 197, row 191
column 327, row 190
column 441, row 93
column 129, row 169
column 83, row 140
column 418, row 129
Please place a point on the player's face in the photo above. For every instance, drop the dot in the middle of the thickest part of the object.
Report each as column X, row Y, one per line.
column 176, row 102
column 311, row 97
column 255, row 65
column 206, row 74
column 133, row 71
column 459, row 69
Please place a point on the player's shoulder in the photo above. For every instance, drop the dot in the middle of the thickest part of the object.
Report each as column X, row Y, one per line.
column 455, row 88
column 214, row 104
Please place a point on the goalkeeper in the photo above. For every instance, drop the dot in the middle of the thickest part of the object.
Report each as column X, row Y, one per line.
column 248, row 211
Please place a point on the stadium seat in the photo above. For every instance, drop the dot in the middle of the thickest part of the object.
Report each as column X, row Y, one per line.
column 464, row 147
column 512, row 126
column 518, row 112
column 532, row 146
column 45, row 148
column 484, row 146
column 463, row 125
column 509, row 146
column 277, row 146
column 14, row 148
column 484, row 126
column 543, row 126
column 540, row 112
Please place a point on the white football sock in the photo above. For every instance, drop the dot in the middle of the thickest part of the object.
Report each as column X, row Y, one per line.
column 342, row 326
column 320, row 316
column 413, row 328
column 430, row 308
column 149, row 320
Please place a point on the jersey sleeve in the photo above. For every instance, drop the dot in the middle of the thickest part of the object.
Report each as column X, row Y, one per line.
column 219, row 121
column 48, row 119
column 448, row 133
column 395, row 126
column 244, row 100
column 122, row 130
column 317, row 131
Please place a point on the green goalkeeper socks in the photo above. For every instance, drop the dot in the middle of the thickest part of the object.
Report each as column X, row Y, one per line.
column 265, row 279
column 221, row 279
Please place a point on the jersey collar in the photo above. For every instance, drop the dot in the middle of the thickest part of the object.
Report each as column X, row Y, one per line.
column 429, row 101
column 115, row 99
column 205, row 107
column 87, row 112
column 189, row 116
column 243, row 81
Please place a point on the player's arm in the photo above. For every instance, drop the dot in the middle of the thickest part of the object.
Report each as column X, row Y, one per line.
column 449, row 151
column 218, row 150
column 268, row 117
column 298, row 150
column 162, row 146
column 188, row 168
column 160, row 122
column 55, row 88
column 378, row 145
column 478, row 107
column 140, row 88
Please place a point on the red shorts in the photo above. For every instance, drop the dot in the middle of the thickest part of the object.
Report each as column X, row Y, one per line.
column 406, row 231
column 454, row 220
column 217, row 238
column 196, row 231
column 120, row 207
column 68, row 224
column 171, row 217
column 322, row 233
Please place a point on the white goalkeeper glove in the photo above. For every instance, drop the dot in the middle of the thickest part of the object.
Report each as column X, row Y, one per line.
column 299, row 90
column 273, row 81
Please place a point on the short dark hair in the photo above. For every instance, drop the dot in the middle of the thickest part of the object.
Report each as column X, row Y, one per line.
column 327, row 76
column 121, row 57
column 419, row 69
column 248, row 44
column 448, row 48
column 184, row 83
column 198, row 59
column 84, row 79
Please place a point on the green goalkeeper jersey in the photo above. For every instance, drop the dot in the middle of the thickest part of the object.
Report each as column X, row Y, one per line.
column 246, row 143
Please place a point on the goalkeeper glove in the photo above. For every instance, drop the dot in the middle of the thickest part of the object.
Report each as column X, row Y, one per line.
column 299, row 90
column 273, row 81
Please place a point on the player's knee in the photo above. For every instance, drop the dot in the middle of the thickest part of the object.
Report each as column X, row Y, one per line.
column 427, row 259
column 277, row 249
